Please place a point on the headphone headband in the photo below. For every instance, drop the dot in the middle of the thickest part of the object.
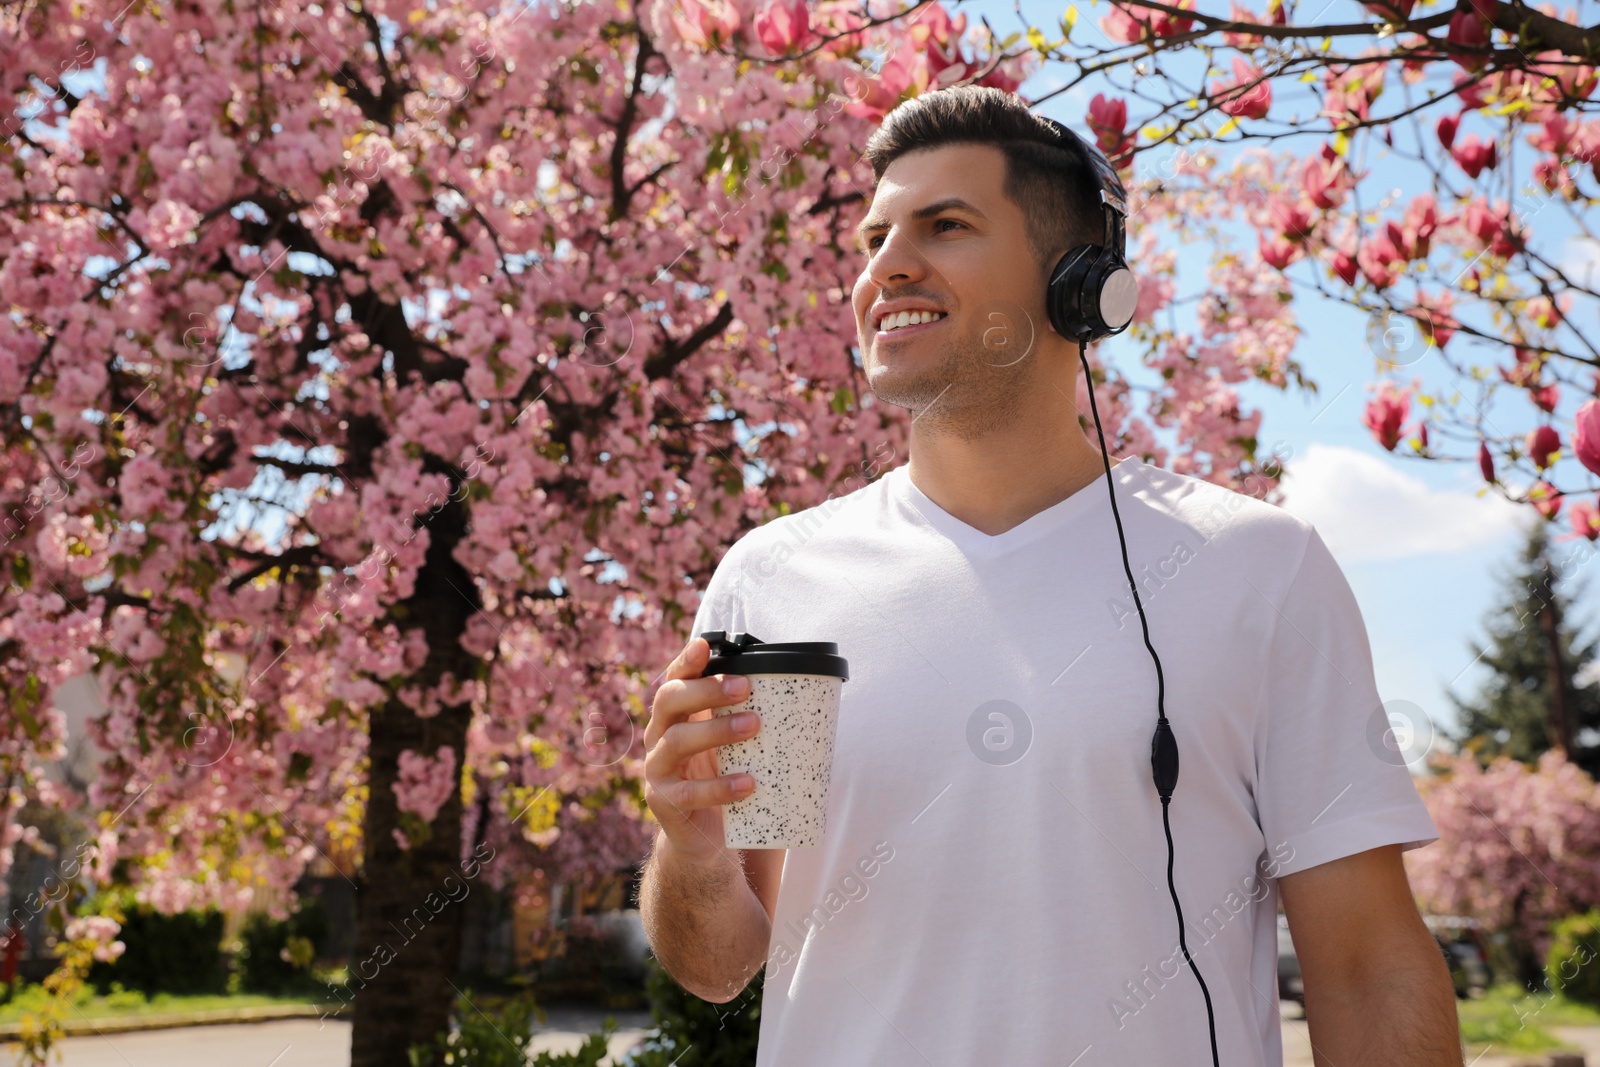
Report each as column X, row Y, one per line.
column 1113, row 197
column 1092, row 293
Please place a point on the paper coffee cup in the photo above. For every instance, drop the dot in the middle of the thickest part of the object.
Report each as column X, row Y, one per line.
column 795, row 689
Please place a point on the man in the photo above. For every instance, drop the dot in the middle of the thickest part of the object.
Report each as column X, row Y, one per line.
column 992, row 886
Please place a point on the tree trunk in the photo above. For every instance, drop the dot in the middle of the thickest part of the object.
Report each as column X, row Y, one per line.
column 409, row 916
column 1560, row 724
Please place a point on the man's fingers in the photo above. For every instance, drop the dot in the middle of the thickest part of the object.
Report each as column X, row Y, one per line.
column 680, row 698
column 684, row 740
column 691, row 660
column 692, row 794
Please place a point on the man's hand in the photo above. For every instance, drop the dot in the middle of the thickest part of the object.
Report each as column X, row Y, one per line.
column 681, row 786
column 1378, row 991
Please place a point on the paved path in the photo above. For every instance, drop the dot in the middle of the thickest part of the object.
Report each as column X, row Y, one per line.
column 308, row 1043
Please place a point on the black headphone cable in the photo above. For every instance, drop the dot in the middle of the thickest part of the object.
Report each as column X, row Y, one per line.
column 1164, row 746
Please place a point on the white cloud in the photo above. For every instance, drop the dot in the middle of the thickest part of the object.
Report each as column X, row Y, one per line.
column 1580, row 259
column 1366, row 508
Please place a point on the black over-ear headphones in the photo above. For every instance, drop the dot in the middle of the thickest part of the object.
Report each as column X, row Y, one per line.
column 1093, row 294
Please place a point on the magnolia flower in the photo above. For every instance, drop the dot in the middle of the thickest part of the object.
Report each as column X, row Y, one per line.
column 1446, row 128
column 1469, row 32
column 1344, row 265
column 1391, row 10
column 1108, row 118
column 1277, row 251
column 706, row 23
column 1485, row 461
column 1475, row 155
column 1545, row 498
column 1542, row 443
column 1586, row 435
column 1386, row 413
column 1585, row 518
column 1326, row 178
column 1251, row 103
column 1545, row 397
column 784, row 26
column 1123, row 25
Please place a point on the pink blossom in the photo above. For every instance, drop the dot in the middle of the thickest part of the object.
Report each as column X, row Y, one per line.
column 100, row 930
column 1585, row 519
column 1385, row 414
column 1545, row 397
column 1108, row 118
column 1519, row 846
column 1393, row 10
column 784, row 26
column 1545, row 498
column 1469, row 33
column 706, row 24
column 1586, row 435
column 1474, row 154
column 1277, row 251
column 1446, row 128
column 1240, row 102
column 1541, row 444
column 1131, row 23
column 425, row 784
column 1326, row 178
column 1344, row 265
column 1485, row 461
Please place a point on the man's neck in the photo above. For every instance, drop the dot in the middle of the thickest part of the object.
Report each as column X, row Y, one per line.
column 997, row 482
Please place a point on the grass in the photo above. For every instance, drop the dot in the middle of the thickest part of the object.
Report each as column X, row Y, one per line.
column 125, row 1004
column 1511, row 1019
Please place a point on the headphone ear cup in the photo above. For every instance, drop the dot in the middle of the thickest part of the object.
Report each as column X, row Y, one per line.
column 1064, row 296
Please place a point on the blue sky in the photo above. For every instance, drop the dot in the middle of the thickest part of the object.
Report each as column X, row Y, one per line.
column 1420, row 542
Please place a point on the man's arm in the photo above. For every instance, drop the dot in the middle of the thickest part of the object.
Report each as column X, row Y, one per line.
column 1378, row 991
column 707, row 920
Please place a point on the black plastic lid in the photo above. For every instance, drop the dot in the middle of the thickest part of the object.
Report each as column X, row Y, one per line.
column 745, row 654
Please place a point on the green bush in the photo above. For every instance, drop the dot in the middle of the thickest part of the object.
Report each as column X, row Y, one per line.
column 179, row 953
column 691, row 1032
column 499, row 1037
column 1572, row 965
column 276, row 957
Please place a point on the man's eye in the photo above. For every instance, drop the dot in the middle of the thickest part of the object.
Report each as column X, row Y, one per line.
column 872, row 242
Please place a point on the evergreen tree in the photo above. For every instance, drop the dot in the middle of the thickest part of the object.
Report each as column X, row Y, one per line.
column 1533, row 702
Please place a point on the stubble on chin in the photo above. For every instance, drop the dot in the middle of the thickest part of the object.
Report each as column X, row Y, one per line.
column 961, row 392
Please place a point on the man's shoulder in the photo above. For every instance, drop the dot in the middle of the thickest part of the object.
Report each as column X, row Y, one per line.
column 1226, row 517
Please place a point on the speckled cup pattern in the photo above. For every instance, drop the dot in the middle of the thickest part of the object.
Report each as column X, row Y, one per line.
column 790, row 758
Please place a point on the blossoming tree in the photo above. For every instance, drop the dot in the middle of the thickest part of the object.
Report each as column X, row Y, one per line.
column 1444, row 179
column 1519, row 848
column 381, row 380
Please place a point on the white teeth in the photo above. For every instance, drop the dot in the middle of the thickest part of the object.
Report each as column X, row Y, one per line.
column 908, row 318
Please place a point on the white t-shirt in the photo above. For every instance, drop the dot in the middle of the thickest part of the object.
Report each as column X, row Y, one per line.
column 992, row 884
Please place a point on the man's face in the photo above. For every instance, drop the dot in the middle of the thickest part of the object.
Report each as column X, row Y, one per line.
column 968, row 371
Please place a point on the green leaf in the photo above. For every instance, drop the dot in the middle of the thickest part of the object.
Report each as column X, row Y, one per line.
column 1038, row 41
column 1069, row 19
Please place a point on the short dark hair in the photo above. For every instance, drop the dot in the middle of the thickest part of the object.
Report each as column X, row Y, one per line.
column 1052, row 184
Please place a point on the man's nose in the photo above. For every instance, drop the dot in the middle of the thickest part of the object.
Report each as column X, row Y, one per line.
column 898, row 257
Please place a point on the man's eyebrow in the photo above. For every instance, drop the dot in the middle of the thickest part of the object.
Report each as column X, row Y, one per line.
column 875, row 223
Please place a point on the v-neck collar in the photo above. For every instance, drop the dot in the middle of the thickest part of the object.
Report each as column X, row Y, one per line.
column 970, row 539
